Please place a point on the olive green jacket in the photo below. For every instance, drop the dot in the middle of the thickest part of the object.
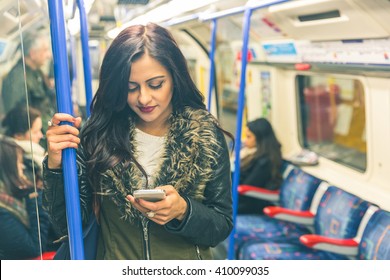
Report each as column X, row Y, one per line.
column 195, row 162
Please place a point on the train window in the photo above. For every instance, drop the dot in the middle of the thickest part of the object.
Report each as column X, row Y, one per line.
column 26, row 95
column 228, row 68
column 332, row 118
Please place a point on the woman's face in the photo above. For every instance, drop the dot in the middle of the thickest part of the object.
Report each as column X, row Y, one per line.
column 35, row 133
column 250, row 140
column 150, row 93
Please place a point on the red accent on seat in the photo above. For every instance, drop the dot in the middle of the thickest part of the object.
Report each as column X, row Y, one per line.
column 302, row 66
column 273, row 211
column 242, row 189
column 310, row 240
column 45, row 256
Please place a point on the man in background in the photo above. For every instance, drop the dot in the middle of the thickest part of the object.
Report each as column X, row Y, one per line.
column 31, row 78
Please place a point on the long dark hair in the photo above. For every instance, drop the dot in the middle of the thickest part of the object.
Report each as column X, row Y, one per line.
column 105, row 136
column 20, row 120
column 267, row 144
column 13, row 182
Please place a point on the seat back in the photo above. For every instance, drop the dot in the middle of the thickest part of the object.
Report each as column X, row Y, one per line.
column 286, row 168
column 298, row 189
column 339, row 214
column 375, row 242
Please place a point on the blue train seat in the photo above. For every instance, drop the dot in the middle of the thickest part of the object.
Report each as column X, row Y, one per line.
column 375, row 242
column 338, row 216
column 371, row 242
column 296, row 194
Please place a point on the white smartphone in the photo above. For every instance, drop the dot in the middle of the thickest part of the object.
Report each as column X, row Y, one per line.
column 152, row 195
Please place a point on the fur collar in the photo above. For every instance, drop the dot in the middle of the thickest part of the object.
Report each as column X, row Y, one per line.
column 190, row 154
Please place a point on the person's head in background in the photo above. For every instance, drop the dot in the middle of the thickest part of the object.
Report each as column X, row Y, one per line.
column 11, row 171
column 260, row 135
column 23, row 124
column 36, row 49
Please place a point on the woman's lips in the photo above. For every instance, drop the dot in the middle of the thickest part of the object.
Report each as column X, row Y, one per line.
column 147, row 109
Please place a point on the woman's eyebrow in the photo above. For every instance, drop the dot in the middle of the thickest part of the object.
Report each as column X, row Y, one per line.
column 148, row 80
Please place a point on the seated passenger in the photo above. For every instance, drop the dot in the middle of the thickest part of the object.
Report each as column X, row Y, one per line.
column 261, row 161
column 25, row 127
column 20, row 203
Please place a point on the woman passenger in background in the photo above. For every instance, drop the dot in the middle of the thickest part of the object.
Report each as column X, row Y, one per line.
column 149, row 128
column 261, row 162
column 25, row 127
column 23, row 223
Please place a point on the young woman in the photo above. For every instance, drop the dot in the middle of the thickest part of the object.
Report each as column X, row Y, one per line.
column 261, row 162
column 20, row 207
column 149, row 128
column 25, row 127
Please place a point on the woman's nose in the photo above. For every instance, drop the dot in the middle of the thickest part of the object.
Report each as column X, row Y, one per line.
column 144, row 97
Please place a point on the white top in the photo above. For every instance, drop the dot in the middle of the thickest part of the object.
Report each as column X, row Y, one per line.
column 149, row 151
column 32, row 150
column 245, row 151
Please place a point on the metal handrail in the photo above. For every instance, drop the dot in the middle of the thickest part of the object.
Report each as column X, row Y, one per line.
column 212, row 61
column 86, row 57
column 240, row 109
column 64, row 105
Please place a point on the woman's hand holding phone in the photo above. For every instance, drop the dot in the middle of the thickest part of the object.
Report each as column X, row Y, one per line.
column 160, row 205
column 151, row 195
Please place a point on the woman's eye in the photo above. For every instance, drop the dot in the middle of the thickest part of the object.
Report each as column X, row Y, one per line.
column 132, row 89
column 156, row 86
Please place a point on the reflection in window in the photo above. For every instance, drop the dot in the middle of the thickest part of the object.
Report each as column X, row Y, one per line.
column 333, row 118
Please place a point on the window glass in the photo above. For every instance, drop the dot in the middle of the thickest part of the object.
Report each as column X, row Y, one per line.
column 228, row 68
column 27, row 103
column 332, row 118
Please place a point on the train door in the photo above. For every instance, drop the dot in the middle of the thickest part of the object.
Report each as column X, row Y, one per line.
column 196, row 55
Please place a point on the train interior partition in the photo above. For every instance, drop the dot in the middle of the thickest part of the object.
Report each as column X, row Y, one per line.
column 318, row 70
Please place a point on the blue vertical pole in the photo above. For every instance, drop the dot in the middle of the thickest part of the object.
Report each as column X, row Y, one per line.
column 212, row 62
column 240, row 110
column 86, row 57
column 64, row 105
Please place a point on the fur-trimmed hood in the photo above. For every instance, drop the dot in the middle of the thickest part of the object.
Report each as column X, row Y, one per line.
column 189, row 159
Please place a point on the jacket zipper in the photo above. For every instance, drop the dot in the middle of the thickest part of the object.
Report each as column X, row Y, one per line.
column 198, row 252
column 145, row 229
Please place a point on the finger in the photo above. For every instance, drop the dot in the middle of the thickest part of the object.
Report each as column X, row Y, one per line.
column 153, row 206
column 58, row 142
column 136, row 204
column 57, row 138
column 77, row 122
column 167, row 188
column 63, row 117
column 61, row 130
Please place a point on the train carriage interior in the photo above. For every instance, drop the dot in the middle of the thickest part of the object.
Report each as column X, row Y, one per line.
column 318, row 70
